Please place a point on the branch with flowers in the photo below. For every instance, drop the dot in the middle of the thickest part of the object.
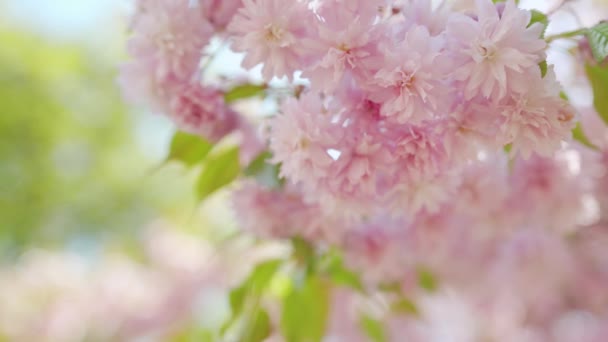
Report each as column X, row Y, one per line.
column 384, row 168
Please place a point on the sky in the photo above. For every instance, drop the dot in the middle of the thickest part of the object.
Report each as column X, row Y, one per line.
column 67, row 19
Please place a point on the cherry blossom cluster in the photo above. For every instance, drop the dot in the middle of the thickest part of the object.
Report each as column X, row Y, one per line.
column 428, row 140
column 407, row 98
column 164, row 74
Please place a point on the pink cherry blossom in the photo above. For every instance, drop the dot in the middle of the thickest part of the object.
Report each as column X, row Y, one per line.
column 200, row 110
column 409, row 81
column 344, row 39
column 269, row 31
column 494, row 50
column 301, row 137
column 537, row 120
column 169, row 35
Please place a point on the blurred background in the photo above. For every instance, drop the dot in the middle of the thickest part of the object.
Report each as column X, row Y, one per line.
column 93, row 232
column 97, row 242
column 77, row 165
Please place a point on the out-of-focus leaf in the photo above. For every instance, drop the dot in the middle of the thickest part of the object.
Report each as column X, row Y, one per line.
column 193, row 333
column 404, row 306
column 373, row 328
column 255, row 283
column 188, row 149
column 244, row 91
column 579, row 135
column 341, row 275
column 598, row 41
column 497, row 1
column 258, row 327
column 249, row 292
column 543, row 68
column 426, row 279
column 265, row 172
column 539, row 17
column 305, row 312
column 598, row 77
column 219, row 171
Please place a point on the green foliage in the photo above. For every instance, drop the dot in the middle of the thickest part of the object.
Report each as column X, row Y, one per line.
column 543, row 68
column 373, row 328
column 333, row 266
column 426, row 279
column 598, row 77
column 265, row 172
column 579, row 135
column 258, row 328
column 539, row 17
column 188, row 149
column 257, row 281
column 245, row 300
column 404, row 306
column 244, row 91
column 193, row 333
column 304, row 254
column 598, row 41
column 305, row 311
column 70, row 165
column 219, row 170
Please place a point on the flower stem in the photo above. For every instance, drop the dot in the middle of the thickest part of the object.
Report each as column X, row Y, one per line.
column 568, row 34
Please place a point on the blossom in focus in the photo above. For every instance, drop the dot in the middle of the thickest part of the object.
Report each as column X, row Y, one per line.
column 269, row 32
column 409, row 82
column 536, row 120
column 493, row 50
column 300, row 139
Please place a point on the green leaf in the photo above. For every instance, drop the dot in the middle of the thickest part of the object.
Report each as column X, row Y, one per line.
column 539, row 17
column 258, row 327
column 579, row 135
column 426, row 279
column 598, row 77
column 256, row 282
column 219, row 171
column 373, row 328
column 249, row 292
column 264, row 172
column 192, row 333
column 543, row 68
column 404, row 306
column 598, row 41
column 339, row 274
column 244, row 91
column 188, row 149
column 305, row 311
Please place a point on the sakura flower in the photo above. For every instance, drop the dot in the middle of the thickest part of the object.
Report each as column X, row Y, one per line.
column 420, row 150
column 300, row 139
column 409, row 82
column 552, row 188
column 219, row 12
column 358, row 170
column 268, row 32
column 377, row 247
column 169, row 36
column 425, row 13
column 344, row 38
column 412, row 196
column 537, row 120
column 201, row 110
column 262, row 211
column 484, row 189
column 494, row 51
